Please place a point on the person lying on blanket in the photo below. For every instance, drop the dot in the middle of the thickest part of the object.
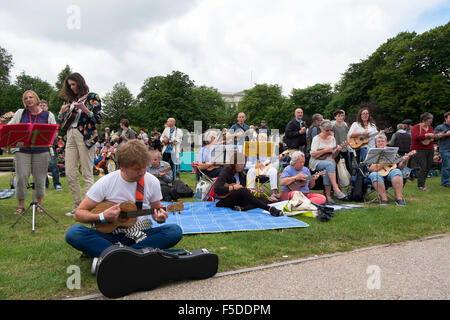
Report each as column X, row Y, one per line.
column 296, row 172
column 230, row 188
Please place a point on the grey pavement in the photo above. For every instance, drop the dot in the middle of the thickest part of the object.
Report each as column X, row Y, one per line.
column 417, row 269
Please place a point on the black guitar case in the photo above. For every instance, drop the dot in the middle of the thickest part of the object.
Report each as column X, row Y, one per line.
column 122, row 270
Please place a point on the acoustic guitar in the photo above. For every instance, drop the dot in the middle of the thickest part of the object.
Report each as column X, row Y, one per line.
column 389, row 167
column 357, row 142
column 297, row 184
column 128, row 214
column 71, row 114
column 325, row 155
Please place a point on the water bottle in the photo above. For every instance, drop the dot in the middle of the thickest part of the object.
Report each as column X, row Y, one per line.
column 198, row 195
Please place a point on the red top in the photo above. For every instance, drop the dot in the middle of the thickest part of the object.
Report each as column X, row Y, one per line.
column 417, row 135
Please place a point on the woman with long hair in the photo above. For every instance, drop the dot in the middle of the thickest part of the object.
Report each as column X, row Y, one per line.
column 230, row 188
column 31, row 160
column 364, row 127
column 79, row 115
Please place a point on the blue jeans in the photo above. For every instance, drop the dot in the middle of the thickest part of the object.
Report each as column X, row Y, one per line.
column 445, row 170
column 55, row 171
column 328, row 167
column 374, row 176
column 93, row 242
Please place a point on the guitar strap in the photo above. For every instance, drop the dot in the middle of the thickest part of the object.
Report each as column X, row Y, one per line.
column 140, row 193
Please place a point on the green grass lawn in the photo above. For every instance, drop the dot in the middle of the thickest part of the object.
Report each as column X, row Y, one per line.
column 34, row 266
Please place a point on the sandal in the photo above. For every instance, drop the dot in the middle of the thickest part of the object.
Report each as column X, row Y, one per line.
column 424, row 189
column 19, row 211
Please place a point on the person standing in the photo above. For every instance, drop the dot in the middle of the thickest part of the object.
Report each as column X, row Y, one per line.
column 238, row 130
column 52, row 165
column 340, row 130
column 81, row 139
column 171, row 139
column 31, row 160
column 422, row 135
column 295, row 132
column 443, row 134
column 363, row 127
column 263, row 128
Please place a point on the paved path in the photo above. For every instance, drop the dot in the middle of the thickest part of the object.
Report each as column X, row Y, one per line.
column 410, row 270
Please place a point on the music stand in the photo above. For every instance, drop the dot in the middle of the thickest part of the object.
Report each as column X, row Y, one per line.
column 37, row 135
column 386, row 155
column 258, row 149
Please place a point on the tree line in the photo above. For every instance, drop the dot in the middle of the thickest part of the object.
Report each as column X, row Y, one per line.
column 405, row 77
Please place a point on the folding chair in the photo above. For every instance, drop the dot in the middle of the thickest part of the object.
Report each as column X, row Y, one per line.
column 371, row 194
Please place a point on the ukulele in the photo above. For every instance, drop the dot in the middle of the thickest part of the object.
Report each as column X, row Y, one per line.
column 297, row 184
column 357, row 142
column 428, row 140
column 325, row 155
column 163, row 171
column 128, row 214
column 388, row 168
column 6, row 116
column 71, row 114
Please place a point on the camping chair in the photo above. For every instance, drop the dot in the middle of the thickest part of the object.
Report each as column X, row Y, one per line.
column 371, row 194
column 199, row 174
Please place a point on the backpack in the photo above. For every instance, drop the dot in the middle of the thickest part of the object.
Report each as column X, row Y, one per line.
column 357, row 191
column 182, row 189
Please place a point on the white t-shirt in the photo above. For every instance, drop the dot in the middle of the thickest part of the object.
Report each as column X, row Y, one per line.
column 318, row 144
column 113, row 187
column 356, row 127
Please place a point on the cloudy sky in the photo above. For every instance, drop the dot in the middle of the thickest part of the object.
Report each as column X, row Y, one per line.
column 226, row 44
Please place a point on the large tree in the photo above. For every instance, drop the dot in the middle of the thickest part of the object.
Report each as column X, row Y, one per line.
column 118, row 104
column 313, row 99
column 171, row 96
column 263, row 101
column 406, row 76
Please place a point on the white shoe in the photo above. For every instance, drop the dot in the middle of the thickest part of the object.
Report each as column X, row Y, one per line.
column 71, row 213
column 94, row 265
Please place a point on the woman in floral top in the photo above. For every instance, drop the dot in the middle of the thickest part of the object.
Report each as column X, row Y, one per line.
column 80, row 136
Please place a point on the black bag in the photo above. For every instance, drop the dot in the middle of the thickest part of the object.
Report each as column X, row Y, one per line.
column 122, row 270
column 182, row 189
column 357, row 191
column 324, row 213
column 169, row 193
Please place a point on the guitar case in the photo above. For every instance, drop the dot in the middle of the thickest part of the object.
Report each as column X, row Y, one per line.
column 122, row 270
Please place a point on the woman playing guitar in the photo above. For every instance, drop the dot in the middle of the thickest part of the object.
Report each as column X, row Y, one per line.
column 422, row 135
column 325, row 144
column 364, row 130
column 295, row 172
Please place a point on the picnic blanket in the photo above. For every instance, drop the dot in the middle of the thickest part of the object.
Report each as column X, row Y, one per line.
column 205, row 217
column 6, row 193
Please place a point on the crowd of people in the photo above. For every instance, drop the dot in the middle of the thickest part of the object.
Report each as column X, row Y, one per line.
column 148, row 162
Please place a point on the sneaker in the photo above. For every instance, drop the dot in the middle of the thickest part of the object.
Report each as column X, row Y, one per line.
column 237, row 208
column 94, row 265
column 400, row 202
column 384, row 202
column 340, row 195
column 330, row 202
column 58, row 187
column 71, row 213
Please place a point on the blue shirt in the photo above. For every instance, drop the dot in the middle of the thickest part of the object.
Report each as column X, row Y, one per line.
column 444, row 144
column 290, row 171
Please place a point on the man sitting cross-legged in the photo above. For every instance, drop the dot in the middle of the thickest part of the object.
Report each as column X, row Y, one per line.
column 122, row 186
